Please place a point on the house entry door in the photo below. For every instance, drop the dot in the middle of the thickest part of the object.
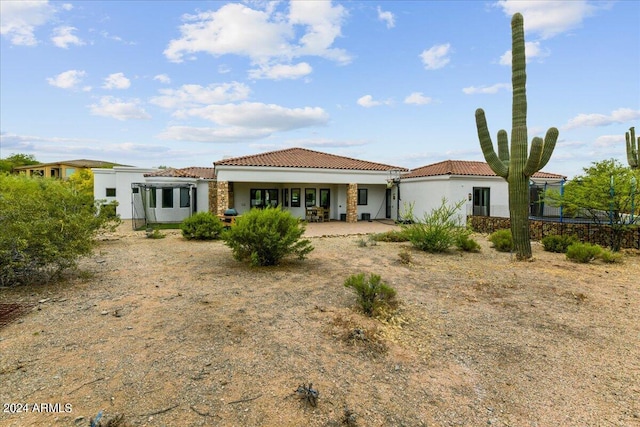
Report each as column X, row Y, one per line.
column 481, row 201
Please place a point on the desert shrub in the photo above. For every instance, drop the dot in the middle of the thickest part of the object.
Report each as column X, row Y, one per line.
column 154, row 233
column 45, row 226
column 610, row 257
column 202, row 226
column 466, row 243
column 373, row 294
column 502, row 240
column 558, row 244
column 391, row 236
column 583, row 252
column 265, row 236
column 438, row 230
column 405, row 256
column 362, row 243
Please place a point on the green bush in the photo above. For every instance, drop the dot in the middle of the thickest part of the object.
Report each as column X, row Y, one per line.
column 265, row 236
column 502, row 240
column 45, row 226
column 373, row 294
column 583, row 252
column 558, row 244
column 466, row 243
column 438, row 230
column 202, row 226
column 610, row 257
column 391, row 236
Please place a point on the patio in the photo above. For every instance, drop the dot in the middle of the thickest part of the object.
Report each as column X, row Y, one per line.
column 342, row 228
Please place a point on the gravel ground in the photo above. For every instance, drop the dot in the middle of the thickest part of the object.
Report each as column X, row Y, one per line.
column 168, row 332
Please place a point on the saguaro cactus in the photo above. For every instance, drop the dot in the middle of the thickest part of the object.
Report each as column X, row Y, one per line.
column 513, row 165
column 632, row 148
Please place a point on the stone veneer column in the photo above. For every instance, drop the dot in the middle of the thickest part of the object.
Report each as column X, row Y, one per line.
column 352, row 203
column 213, row 197
column 222, row 192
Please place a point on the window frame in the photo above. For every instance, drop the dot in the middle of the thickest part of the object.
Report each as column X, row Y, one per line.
column 185, row 202
column 295, row 197
column 310, row 192
column 363, row 193
column 167, row 202
column 110, row 190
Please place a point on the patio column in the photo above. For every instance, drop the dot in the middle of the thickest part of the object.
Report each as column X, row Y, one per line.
column 213, row 197
column 352, row 203
column 222, row 194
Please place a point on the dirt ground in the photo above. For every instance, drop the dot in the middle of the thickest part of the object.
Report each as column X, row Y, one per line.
column 169, row 332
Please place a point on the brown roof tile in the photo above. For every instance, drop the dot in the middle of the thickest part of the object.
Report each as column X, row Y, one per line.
column 464, row 167
column 305, row 158
column 190, row 172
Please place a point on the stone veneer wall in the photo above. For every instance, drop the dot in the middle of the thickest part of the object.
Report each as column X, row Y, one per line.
column 599, row 234
column 213, row 197
column 352, row 203
column 222, row 193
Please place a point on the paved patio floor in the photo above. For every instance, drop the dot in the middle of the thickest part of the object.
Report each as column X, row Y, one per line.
column 341, row 228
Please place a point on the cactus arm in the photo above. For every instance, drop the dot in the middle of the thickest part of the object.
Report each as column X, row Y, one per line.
column 550, row 140
column 499, row 167
column 533, row 162
column 632, row 148
column 503, row 146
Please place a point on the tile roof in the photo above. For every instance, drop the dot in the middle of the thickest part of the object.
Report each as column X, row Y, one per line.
column 190, row 172
column 305, row 158
column 464, row 167
column 79, row 163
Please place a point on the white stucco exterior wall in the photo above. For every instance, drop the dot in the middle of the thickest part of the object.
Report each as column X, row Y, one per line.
column 426, row 193
column 120, row 178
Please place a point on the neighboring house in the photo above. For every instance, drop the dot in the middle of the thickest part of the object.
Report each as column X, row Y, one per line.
column 484, row 193
column 63, row 169
column 299, row 180
column 155, row 195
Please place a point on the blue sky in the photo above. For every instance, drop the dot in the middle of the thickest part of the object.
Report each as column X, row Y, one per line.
column 187, row 83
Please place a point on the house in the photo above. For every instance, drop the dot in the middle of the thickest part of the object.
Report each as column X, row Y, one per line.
column 311, row 185
column 305, row 182
column 63, row 169
column 484, row 193
column 152, row 195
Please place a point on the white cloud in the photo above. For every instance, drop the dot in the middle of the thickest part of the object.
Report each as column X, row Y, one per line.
column 194, row 95
column 387, row 17
column 67, row 6
column 211, row 134
column 265, row 36
column 548, row 17
column 610, row 141
column 19, row 19
column 473, row 90
column 281, row 71
column 417, row 98
column 436, row 56
column 162, row 78
column 115, row 108
column 367, row 101
column 63, row 37
column 531, row 50
column 255, row 115
column 116, row 81
column 67, row 80
column 621, row 115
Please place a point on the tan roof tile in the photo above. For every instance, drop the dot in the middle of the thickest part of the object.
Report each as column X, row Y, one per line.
column 464, row 167
column 190, row 172
column 305, row 158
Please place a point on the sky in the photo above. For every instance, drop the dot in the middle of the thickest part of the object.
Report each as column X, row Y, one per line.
column 179, row 83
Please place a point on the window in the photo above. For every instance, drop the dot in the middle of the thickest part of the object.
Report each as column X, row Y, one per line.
column 362, row 196
column 111, row 192
column 309, row 197
column 285, row 197
column 167, row 197
column 69, row 171
column 295, row 197
column 135, row 190
column 325, row 198
column 184, row 198
column 481, row 196
column 261, row 198
column 152, row 197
